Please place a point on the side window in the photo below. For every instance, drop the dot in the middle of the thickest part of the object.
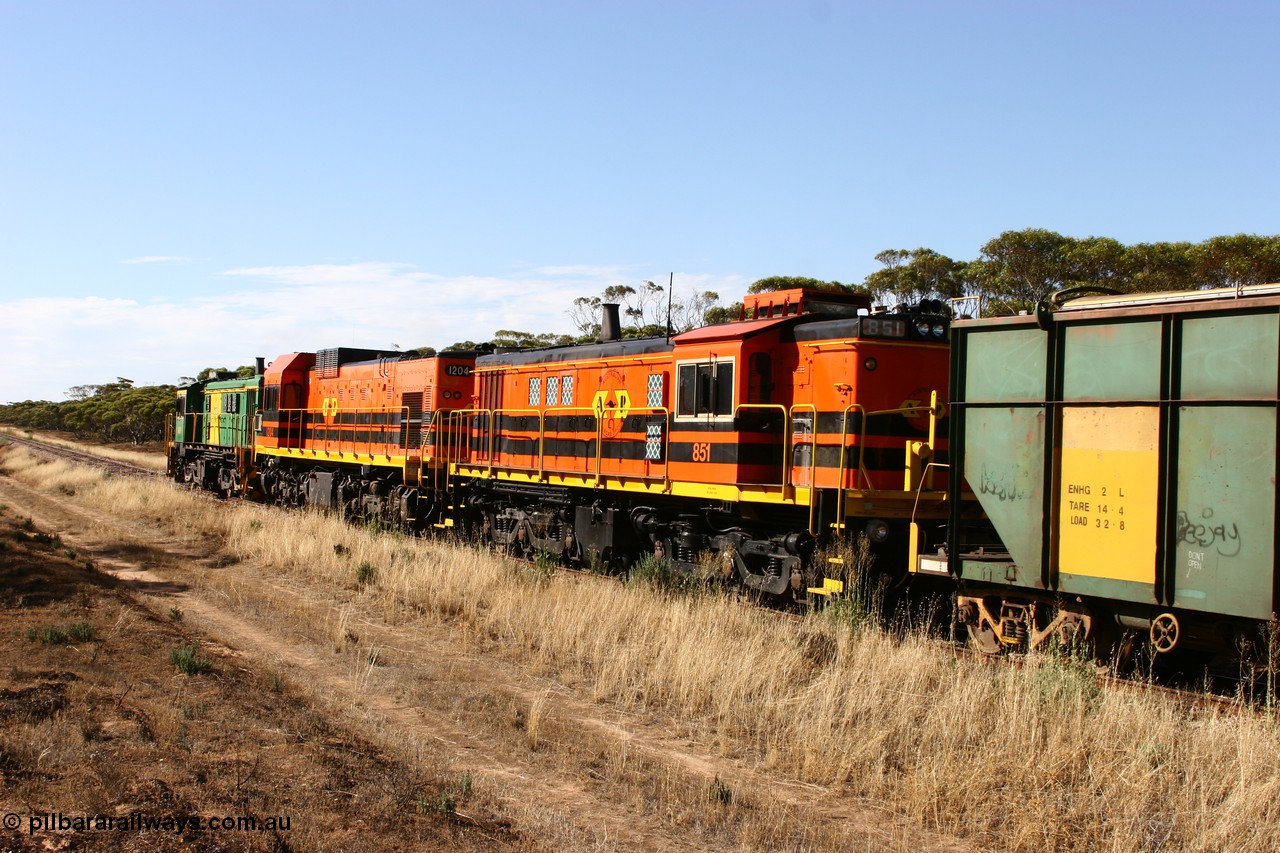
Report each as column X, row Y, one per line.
column 722, row 388
column 686, row 389
column 705, row 389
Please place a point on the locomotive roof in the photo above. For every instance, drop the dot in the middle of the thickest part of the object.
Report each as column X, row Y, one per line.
column 238, row 382
column 740, row 329
column 639, row 346
column 576, row 352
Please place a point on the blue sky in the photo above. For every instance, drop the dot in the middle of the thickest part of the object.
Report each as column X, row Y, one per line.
column 187, row 184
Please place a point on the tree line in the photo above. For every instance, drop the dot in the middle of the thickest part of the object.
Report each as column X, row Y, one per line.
column 113, row 412
column 116, row 412
column 1015, row 270
column 1011, row 273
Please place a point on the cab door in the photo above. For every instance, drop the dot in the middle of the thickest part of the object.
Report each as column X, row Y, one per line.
column 213, row 416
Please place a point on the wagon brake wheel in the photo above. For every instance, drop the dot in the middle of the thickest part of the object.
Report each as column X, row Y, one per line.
column 1165, row 632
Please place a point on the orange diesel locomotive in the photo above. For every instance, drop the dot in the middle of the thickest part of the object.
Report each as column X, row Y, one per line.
column 750, row 441
column 359, row 430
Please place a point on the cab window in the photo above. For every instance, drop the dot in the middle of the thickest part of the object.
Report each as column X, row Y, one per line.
column 705, row 389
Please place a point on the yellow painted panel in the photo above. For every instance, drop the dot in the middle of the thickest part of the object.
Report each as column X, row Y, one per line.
column 215, row 416
column 1107, row 494
column 335, row 456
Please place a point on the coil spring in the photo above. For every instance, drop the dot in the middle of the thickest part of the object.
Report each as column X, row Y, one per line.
column 775, row 567
column 1014, row 629
column 684, row 554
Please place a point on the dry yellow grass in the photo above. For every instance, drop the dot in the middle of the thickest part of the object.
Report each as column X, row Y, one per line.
column 1036, row 757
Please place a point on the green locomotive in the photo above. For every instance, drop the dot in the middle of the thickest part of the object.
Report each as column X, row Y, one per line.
column 211, row 445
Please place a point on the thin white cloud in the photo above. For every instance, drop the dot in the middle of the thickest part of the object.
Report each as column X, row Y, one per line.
column 585, row 270
column 53, row 343
column 159, row 259
column 369, row 272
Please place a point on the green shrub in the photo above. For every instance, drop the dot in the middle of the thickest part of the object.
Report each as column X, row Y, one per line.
column 188, row 662
column 81, row 632
column 659, row 575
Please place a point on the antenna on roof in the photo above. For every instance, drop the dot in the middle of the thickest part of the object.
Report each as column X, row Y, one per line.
column 670, row 279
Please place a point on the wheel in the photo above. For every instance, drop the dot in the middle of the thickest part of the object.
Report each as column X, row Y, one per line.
column 616, row 563
column 983, row 639
column 978, row 633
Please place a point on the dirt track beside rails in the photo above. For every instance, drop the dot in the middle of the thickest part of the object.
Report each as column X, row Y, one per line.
column 441, row 745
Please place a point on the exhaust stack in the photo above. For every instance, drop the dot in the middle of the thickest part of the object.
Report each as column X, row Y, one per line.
column 610, row 323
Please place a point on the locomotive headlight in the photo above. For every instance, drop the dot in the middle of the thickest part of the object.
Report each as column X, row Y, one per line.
column 922, row 326
column 939, row 329
column 877, row 530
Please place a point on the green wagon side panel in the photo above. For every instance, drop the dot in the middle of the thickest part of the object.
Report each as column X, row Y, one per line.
column 1113, row 361
column 1118, row 590
column 995, row 571
column 1226, row 514
column 1230, row 358
column 1005, row 366
column 1004, row 465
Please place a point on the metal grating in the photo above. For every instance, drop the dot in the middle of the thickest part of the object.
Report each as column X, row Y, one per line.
column 327, row 362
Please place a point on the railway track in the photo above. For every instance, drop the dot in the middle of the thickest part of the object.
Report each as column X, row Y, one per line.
column 53, row 451
column 1195, row 701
